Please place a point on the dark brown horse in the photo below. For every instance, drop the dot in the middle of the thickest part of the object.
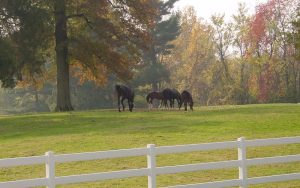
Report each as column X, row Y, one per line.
column 171, row 95
column 187, row 99
column 154, row 95
column 123, row 93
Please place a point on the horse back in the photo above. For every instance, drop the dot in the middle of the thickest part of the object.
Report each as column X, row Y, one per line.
column 167, row 93
column 125, row 91
column 186, row 96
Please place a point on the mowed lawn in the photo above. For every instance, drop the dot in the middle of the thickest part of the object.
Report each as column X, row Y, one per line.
column 86, row 131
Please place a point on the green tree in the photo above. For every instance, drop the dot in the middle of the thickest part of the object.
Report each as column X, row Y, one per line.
column 25, row 35
column 8, row 64
column 166, row 29
column 89, row 33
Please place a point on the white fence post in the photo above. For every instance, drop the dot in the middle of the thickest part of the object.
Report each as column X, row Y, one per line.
column 151, row 164
column 50, row 169
column 242, row 157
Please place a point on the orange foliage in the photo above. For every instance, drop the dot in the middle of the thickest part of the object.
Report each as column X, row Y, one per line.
column 97, row 75
column 36, row 80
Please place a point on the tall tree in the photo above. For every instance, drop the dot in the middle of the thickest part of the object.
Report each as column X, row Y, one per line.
column 276, row 69
column 191, row 59
column 166, row 30
column 26, row 35
column 223, row 39
column 8, row 64
column 241, row 26
column 61, row 49
column 100, row 36
column 295, row 40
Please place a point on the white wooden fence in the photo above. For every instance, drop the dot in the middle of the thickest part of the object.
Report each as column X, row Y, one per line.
column 152, row 171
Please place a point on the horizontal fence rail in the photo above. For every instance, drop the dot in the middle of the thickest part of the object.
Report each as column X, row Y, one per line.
column 11, row 162
column 100, row 155
column 195, row 147
column 50, row 160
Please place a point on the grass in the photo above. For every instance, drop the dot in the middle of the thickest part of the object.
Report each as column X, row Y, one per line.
column 34, row 134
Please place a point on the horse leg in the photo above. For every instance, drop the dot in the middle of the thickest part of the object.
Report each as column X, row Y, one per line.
column 160, row 103
column 191, row 105
column 185, row 105
column 171, row 103
column 130, row 105
column 150, row 104
column 122, row 102
column 165, row 103
column 179, row 103
column 119, row 103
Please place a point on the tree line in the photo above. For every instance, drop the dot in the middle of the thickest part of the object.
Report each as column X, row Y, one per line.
column 249, row 59
column 56, row 51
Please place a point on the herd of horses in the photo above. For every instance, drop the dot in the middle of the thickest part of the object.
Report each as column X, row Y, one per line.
column 165, row 96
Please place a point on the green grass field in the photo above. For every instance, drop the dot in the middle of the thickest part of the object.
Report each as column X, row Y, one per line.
column 34, row 134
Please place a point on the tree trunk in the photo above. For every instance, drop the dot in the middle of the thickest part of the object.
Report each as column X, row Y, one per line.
column 298, row 99
column 153, row 60
column 61, row 48
column 242, row 84
column 226, row 69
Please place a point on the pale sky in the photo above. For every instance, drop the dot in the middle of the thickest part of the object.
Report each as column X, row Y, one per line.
column 205, row 8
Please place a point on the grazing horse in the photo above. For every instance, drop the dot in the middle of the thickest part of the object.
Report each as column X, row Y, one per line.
column 153, row 95
column 177, row 96
column 187, row 99
column 171, row 95
column 123, row 93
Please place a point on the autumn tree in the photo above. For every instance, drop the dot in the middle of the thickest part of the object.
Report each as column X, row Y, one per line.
column 98, row 36
column 223, row 39
column 285, row 11
column 225, row 83
column 295, row 41
column 277, row 71
column 192, row 57
column 241, row 28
